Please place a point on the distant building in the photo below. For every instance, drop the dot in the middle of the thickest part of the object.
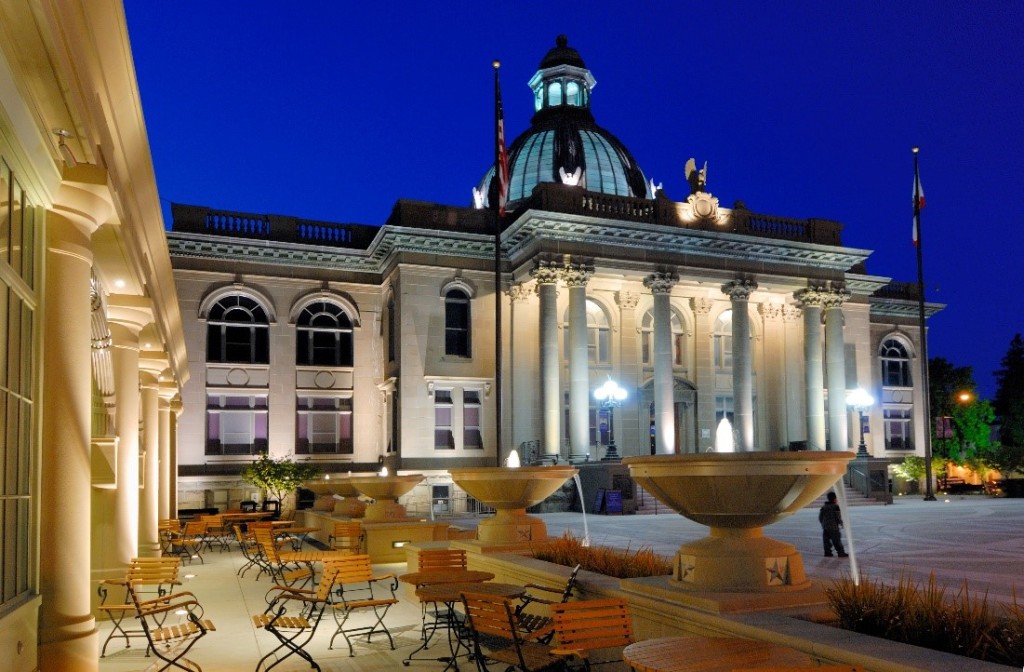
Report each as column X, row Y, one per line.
column 351, row 345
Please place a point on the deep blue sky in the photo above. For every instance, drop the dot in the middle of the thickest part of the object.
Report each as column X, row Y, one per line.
column 334, row 110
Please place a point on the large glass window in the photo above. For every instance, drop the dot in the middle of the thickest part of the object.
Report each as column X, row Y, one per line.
column 598, row 334
column 471, row 436
column 323, row 425
column 554, row 94
column 323, row 336
column 723, row 341
column 238, row 330
column 898, row 429
column 17, row 373
column 236, row 424
column 895, row 364
column 647, row 339
column 456, row 323
column 443, row 437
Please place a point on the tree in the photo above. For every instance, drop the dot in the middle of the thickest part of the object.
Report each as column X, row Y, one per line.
column 1009, row 399
column 277, row 478
column 963, row 424
column 1007, row 459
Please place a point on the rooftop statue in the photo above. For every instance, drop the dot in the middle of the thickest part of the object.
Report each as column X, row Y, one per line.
column 697, row 178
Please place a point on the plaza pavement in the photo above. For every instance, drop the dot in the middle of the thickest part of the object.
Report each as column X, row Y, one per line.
column 976, row 538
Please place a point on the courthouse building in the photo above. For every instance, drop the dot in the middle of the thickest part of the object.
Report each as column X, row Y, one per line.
column 352, row 346
column 141, row 370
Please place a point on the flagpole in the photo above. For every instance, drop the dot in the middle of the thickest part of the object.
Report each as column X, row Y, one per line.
column 499, row 142
column 929, row 495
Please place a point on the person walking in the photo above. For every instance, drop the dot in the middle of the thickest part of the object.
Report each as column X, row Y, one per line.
column 831, row 520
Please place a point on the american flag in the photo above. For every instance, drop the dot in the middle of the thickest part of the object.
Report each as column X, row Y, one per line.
column 501, row 155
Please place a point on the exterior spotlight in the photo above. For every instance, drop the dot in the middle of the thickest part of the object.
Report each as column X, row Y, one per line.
column 860, row 401
column 62, row 145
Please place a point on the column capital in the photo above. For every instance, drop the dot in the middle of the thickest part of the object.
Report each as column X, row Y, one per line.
column 577, row 275
column 546, row 272
column 836, row 297
column 627, row 300
column 661, row 282
column 739, row 289
column 701, row 305
column 771, row 311
column 518, row 292
column 791, row 313
column 130, row 311
column 153, row 362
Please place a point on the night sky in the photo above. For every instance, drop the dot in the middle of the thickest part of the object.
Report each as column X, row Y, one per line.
column 334, row 110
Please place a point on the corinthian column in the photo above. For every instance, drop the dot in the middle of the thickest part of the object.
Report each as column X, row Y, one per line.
column 576, row 277
column 661, row 285
column 835, row 366
column 812, row 299
column 739, row 292
column 546, row 274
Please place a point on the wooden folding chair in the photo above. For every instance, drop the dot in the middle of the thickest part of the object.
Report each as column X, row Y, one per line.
column 497, row 637
column 585, row 627
column 292, row 616
column 540, row 622
column 437, row 560
column 347, row 536
column 189, row 542
column 171, row 641
column 270, row 561
column 358, row 590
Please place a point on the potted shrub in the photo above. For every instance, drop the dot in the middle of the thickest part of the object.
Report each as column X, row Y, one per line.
column 277, row 479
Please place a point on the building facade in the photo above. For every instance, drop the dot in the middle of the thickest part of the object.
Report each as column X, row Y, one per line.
column 93, row 355
column 352, row 346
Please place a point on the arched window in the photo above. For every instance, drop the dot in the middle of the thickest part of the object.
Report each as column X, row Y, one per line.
column 456, row 323
column 323, row 336
column 723, row 341
column 895, row 364
column 572, row 94
column 554, row 94
column 647, row 339
column 238, row 331
column 598, row 334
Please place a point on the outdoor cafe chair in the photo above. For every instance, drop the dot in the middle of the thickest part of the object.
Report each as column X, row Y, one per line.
column 540, row 621
column 497, row 637
column 357, row 590
column 171, row 640
column 589, row 626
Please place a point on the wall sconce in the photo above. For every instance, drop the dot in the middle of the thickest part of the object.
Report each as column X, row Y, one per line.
column 400, row 544
column 65, row 151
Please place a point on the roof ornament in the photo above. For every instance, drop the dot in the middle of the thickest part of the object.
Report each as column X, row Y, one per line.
column 655, row 188
column 572, row 180
column 697, row 178
column 478, row 198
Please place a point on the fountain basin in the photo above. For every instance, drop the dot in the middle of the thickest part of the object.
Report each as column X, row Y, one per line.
column 385, row 491
column 350, row 506
column 510, row 491
column 736, row 495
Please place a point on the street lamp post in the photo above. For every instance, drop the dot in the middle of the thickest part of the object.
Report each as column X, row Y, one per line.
column 860, row 401
column 610, row 395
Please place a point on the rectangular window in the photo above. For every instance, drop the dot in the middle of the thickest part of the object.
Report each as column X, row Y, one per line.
column 898, row 429
column 323, row 425
column 443, row 437
column 472, row 438
column 236, row 424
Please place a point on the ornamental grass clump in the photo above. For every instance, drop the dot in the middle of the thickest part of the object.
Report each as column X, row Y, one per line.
column 964, row 624
column 570, row 551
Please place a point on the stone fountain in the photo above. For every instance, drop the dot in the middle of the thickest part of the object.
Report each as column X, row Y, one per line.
column 350, row 506
column 736, row 495
column 385, row 491
column 510, row 490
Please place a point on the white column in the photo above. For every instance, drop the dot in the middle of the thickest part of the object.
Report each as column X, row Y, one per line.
column 739, row 292
column 661, row 285
column 166, row 418
column 68, row 639
column 704, row 371
column 546, row 276
column 835, row 366
column 127, row 315
column 812, row 300
column 149, row 451
column 576, row 277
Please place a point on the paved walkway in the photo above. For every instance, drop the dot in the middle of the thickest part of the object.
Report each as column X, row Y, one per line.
column 974, row 538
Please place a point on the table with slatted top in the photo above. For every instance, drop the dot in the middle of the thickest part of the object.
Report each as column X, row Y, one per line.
column 694, row 653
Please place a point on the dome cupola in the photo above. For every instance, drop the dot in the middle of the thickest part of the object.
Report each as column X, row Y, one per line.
column 564, row 144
